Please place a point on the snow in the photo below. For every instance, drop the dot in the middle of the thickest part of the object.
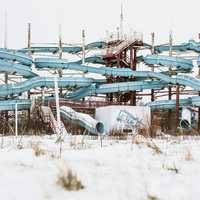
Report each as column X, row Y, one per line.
column 119, row 170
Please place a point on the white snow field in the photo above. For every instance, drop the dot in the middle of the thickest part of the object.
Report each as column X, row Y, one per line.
column 119, row 170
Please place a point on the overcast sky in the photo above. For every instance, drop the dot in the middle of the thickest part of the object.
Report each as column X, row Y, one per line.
column 97, row 16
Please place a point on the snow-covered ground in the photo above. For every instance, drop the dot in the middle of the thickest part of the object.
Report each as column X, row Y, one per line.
column 119, row 170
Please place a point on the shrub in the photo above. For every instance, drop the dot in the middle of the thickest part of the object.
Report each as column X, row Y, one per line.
column 68, row 180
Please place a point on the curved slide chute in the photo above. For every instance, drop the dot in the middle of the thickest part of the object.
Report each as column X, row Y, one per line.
column 178, row 63
column 17, row 69
column 136, row 85
column 52, row 63
column 21, row 87
column 67, row 49
column 22, row 104
column 125, row 72
column 171, row 104
column 189, row 46
column 115, row 87
column 174, row 62
column 82, row 119
column 15, row 56
column 93, row 59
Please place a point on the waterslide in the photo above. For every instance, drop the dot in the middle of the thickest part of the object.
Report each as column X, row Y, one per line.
column 73, row 49
column 83, row 120
column 17, row 62
column 16, row 69
column 191, row 45
column 52, row 63
column 48, row 82
column 171, row 104
column 22, row 104
column 126, row 72
column 13, row 55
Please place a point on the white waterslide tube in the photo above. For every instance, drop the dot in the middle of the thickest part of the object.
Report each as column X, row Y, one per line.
column 81, row 119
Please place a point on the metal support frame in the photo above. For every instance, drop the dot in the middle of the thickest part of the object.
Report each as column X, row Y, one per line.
column 133, row 65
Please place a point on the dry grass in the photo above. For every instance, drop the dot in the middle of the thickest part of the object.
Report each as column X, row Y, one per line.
column 151, row 197
column 188, row 156
column 38, row 151
column 119, row 134
column 139, row 139
column 154, row 147
column 68, row 180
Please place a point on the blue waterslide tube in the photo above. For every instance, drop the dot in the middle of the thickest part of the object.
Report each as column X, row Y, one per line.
column 136, row 85
column 98, row 59
column 15, row 68
column 171, row 104
column 179, row 63
column 15, row 56
column 52, row 63
column 115, row 87
column 93, row 59
column 81, row 93
column 66, row 49
column 174, row 62
column 82, row 119
column 18, row 88
column 125, row 72
column 22, row 104
column 190, row 46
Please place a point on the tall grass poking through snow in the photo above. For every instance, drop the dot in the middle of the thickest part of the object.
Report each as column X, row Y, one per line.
column 67, row 179
column 139, row 139
column 188, row 156
column 38, row 151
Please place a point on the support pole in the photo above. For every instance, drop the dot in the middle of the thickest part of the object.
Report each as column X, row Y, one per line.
column 29, row 53
column 29, row 39
column 83, row 47
column 121, row 23
column 60, row 53
column 16, row 120
column 170, row 88
column 199, row 117
column 6, row 74
column 177, row 105
column 199, row 107
column 133, row 54
column 83, row 53
column 57, row 104
column 152, row 67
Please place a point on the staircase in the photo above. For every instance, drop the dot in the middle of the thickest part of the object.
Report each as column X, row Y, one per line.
column 49, row 118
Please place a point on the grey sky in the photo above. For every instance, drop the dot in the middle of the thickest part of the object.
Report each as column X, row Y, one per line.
column 96, row 16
